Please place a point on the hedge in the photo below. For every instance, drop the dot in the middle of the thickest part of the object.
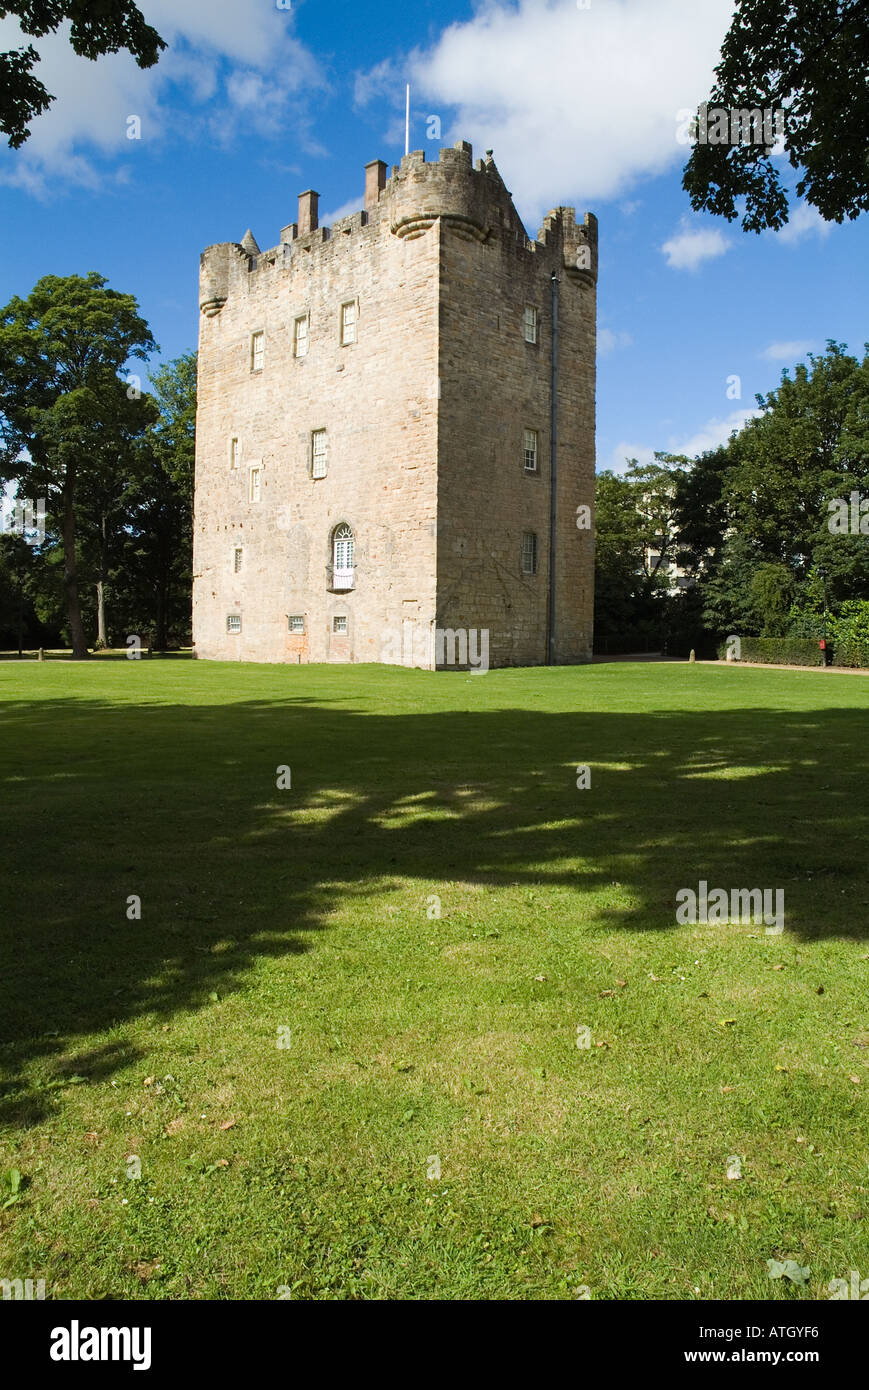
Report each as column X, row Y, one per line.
column 779, row 651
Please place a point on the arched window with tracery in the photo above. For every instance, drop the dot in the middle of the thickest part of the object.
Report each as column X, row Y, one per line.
column 342, row 557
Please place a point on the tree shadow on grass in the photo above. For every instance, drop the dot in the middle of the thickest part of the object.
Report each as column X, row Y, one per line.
column 178, row 807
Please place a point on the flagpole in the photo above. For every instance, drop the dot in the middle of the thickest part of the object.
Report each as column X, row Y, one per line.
column 407, row 121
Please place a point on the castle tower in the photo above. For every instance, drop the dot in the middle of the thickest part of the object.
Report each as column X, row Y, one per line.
column 378, row 402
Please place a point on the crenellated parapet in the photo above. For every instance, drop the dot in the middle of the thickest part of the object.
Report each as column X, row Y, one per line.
column 577, row 242
column 469, row 200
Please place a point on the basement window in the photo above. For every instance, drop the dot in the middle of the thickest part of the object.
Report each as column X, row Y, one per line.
column 339, row 624
column 233, row 622
column 296, row 623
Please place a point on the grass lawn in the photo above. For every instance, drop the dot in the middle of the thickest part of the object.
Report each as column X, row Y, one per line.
column 332, row 1092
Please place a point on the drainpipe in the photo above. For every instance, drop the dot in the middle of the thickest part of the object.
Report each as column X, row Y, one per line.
column 553, row 471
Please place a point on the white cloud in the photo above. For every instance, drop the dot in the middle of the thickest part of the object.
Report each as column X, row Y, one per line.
column 328, row 219
column 804, row 221
column 690, row 247
column 237, row 73
column 579, row 104
column 787, row 351
column 711, row 435
column 609, row 340
column 624, row 452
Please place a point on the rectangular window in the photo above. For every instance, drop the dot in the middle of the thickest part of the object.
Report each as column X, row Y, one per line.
column 234, row 452
column 529, row 552
column 530, row 451
column 300, row 336
column 348, row 323
column 530, row 324
column 319, row 445
column 257, row 351
column 233, row 622
column 236, row 559
column 296, row 623
column 255, row 484
column 339, row 624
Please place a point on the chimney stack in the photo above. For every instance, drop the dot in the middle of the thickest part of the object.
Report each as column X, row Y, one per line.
column 375, row 182
column 308, row 212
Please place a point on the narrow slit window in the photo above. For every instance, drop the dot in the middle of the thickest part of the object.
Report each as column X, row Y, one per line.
column 237, row 559
column 530, row 323
column 529, row 552
column 348, row 323
column 530, row 451
column 234, row 452
column 255, row 483
column 319, row 453
column 257, row 351
column 300, row 336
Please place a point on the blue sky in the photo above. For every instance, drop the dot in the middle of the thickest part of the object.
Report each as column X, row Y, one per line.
column 255, row 102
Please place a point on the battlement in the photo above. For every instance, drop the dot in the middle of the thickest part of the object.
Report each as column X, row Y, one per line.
column 470, row 200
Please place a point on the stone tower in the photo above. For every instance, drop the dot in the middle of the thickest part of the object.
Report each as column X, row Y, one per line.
column 376, row 475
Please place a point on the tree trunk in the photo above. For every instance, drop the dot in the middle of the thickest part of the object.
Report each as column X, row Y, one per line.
column 101, row 615
column 20, row 619
column 101, row 586
column 70, row 575
column 160, row 623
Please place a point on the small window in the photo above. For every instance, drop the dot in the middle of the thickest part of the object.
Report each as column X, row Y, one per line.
column 300, row 336
column 234, row 452
column 236, row 559
column 529, row 552
column 319, row 449
column 530, row 451
column 233, row 622
column 257, row 351
column 530, row 324
column 348, row 323
column 296, row 623
column 255, row 478
column 339, row 624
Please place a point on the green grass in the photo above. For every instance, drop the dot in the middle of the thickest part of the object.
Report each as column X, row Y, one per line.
column 266, row 1168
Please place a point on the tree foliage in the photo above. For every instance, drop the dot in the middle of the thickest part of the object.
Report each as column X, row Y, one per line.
column 96, row 28
column 811, row 58
column 68, row 415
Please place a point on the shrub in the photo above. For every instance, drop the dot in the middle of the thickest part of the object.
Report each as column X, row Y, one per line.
column 850, row 633
column 779, row 651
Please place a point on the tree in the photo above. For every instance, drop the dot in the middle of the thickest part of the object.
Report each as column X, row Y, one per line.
column 157, row 559
column 61, row 354
column 811, row 59
column 753, row 516
column 96, row 29
column 635, row 543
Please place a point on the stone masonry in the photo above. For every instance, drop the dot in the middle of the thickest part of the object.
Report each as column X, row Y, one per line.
column 373, row 441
